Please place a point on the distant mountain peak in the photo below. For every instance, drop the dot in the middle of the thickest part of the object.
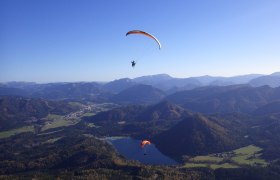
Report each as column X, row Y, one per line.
column 123, row 79
column 272, row 80
column 119, row 85
column 156, row 77
column 275, row 74
column 164, row 110
column 139, row 94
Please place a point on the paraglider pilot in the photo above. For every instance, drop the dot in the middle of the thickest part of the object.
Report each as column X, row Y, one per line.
column 133, row 63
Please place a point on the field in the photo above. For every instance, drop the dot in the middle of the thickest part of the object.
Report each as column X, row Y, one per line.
column 5, row 134
column 52, row 121
column 55, row 121
column 246, row 156
column 53, row 140
column 207, row 158
column 92, row 125
column 88, row 114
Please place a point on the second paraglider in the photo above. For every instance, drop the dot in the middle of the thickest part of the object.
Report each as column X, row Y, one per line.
column 143, row 145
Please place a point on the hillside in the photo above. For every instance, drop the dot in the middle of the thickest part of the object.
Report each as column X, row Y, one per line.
column 118, row 85
column 195, row 135
column 82, row 91
column 272, row 108
column 13, row 91
column 139, row 121
column 152, row 79
column 139, row 94
column 163, row 111
column 18, row 111
column 60, row 91
column 237, row 98
column 127, row 113
column 272, row 80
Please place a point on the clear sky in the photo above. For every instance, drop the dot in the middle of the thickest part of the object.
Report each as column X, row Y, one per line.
column 84, row 40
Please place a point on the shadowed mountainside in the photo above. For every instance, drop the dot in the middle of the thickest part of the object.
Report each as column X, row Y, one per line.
column 119, row 85
column 237, row 98
column 18, row 111
column 139, row 94
column 196, row 135
column 272, row 80
column 272, row 108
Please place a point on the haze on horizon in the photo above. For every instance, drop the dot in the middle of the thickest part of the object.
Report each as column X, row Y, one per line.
column 59, row 41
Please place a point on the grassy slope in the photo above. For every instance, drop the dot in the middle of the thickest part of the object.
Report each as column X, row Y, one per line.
column 6, row 134
column 249, row 155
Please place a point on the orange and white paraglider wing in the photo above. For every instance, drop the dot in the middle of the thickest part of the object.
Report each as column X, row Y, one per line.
column 145, row 34
column 144, row 143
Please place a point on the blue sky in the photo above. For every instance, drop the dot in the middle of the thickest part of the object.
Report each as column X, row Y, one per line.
column 84, row 40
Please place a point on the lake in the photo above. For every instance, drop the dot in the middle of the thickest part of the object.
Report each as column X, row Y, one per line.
column 130, row 149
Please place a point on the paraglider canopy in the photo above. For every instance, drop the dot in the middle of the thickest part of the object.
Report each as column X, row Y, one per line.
column 144, row 143
column 145, row 34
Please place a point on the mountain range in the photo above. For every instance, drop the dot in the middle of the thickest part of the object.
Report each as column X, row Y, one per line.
column 102, row 92
column 197, row 118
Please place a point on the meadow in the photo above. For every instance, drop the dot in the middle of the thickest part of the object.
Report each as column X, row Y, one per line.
column 12, row 132
column 245, row 156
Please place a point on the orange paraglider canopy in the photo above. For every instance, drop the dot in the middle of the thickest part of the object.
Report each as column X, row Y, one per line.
column 144, row 143
column 145, row 34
